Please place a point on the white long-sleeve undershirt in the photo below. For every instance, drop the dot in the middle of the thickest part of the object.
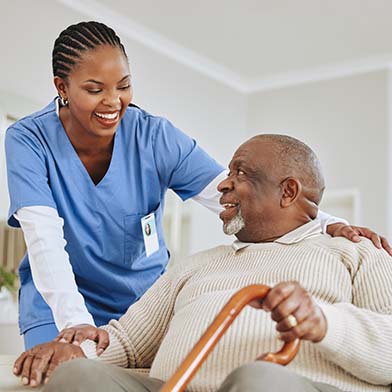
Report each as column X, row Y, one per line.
column 50, row 265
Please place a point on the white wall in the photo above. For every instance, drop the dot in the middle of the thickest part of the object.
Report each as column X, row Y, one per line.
column 346, row 122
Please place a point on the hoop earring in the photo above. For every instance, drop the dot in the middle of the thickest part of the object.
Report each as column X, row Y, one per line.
column 64, row 101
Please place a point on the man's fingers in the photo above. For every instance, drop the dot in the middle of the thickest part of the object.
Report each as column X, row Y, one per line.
column 300, row 314
column 307, row 328
column 277, row 294
column 58, row 337
column 18, row 365
column 38, row 369
column 103, row 341
column 299, row 302
column 54, row 363
column 25, row 374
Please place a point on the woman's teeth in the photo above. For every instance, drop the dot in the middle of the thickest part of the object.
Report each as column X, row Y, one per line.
column 107, row 116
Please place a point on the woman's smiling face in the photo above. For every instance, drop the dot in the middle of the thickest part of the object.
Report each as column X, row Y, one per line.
column 98, row 90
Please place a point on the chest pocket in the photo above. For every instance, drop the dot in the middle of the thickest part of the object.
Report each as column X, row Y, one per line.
column 134, row 249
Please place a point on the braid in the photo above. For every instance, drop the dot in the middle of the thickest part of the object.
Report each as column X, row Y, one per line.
column 79, row 38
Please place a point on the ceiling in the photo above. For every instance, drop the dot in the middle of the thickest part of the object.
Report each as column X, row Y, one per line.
column 257, row 38
column 249, row 45
column 256, row 44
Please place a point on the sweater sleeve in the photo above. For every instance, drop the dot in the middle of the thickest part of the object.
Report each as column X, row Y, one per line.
column 359, row 333
column 137, row 335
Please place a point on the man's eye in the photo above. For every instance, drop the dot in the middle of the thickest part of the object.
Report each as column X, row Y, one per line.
column 240, row 172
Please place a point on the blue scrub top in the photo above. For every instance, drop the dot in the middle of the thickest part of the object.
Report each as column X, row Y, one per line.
column 102, row 222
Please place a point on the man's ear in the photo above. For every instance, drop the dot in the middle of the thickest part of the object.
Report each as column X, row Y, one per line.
column 291, row 189
column 61, row 86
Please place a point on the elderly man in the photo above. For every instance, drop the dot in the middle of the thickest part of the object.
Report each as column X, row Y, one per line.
column 334, row 294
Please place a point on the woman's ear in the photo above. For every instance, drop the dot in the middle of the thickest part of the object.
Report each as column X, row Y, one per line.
column 61, row 86
column 291, row 189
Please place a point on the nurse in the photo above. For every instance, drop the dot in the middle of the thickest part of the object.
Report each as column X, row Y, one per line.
column 86, row 175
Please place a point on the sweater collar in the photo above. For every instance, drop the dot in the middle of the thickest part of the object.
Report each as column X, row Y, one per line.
column 308, row 230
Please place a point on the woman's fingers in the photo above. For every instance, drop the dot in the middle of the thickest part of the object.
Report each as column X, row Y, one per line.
column 66, row 336
column 385, row 245
column 103, row 341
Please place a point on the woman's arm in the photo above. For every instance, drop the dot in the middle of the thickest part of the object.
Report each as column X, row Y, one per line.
column 50, row 267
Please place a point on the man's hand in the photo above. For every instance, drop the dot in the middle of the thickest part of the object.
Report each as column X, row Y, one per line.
column 294, row 310
column 353, row 232
column 79, row 333
column 39, row 363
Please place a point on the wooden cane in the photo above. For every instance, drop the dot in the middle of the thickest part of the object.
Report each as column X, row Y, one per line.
column 207, row 342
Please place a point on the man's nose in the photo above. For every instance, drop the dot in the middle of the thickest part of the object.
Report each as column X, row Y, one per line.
column 225, row 185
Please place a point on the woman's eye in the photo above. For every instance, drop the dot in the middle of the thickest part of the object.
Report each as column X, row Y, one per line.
column 125, row 87
column 94, row 91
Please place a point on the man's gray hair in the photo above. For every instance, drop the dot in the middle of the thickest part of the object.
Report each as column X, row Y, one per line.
column 296, row 159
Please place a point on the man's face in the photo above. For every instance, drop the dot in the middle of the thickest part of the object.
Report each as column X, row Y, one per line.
column 251, row 193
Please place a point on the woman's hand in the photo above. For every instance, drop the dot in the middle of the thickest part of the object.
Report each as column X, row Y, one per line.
column 79, row 333
column 38, row 364
column 296, row 313
column 353, row 232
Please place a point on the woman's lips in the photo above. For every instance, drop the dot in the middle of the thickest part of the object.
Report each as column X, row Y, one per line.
column 107, row 119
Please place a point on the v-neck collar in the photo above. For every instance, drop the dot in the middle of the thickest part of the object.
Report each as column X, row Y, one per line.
column 107, row 186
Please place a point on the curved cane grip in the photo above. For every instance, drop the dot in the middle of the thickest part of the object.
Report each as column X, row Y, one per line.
column 207, row 342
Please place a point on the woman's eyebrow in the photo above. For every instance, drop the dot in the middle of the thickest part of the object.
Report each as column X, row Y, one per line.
column 92, row 81
column 98, row 82
column 125, row 77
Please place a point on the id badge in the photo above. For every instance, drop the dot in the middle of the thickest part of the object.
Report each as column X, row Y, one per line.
column 150, row 234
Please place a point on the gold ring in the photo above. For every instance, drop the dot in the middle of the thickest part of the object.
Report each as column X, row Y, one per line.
column 292, row 321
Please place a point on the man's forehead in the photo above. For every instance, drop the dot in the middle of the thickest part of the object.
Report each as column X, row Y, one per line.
column 254, row 152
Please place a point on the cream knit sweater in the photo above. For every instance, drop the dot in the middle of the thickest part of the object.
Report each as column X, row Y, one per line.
column 351, row 282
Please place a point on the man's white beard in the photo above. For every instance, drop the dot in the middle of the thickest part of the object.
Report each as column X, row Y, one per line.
column 234, row 225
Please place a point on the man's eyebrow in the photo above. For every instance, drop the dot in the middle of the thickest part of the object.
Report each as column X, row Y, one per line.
column 98, row 82
column 241, row 163
column 238, row 162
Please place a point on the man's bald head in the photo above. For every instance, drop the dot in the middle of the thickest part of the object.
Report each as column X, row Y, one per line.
column 295, row 159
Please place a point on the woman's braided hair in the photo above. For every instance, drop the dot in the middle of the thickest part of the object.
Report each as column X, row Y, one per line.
column 78, row 38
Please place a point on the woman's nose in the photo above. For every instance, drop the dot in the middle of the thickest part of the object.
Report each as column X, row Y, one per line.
column 112, row 98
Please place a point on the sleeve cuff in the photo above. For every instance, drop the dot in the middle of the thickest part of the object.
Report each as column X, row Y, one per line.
column 336, row 329
column 326, row 220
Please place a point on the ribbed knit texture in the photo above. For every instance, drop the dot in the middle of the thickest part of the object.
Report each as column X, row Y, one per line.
column 351, row 282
